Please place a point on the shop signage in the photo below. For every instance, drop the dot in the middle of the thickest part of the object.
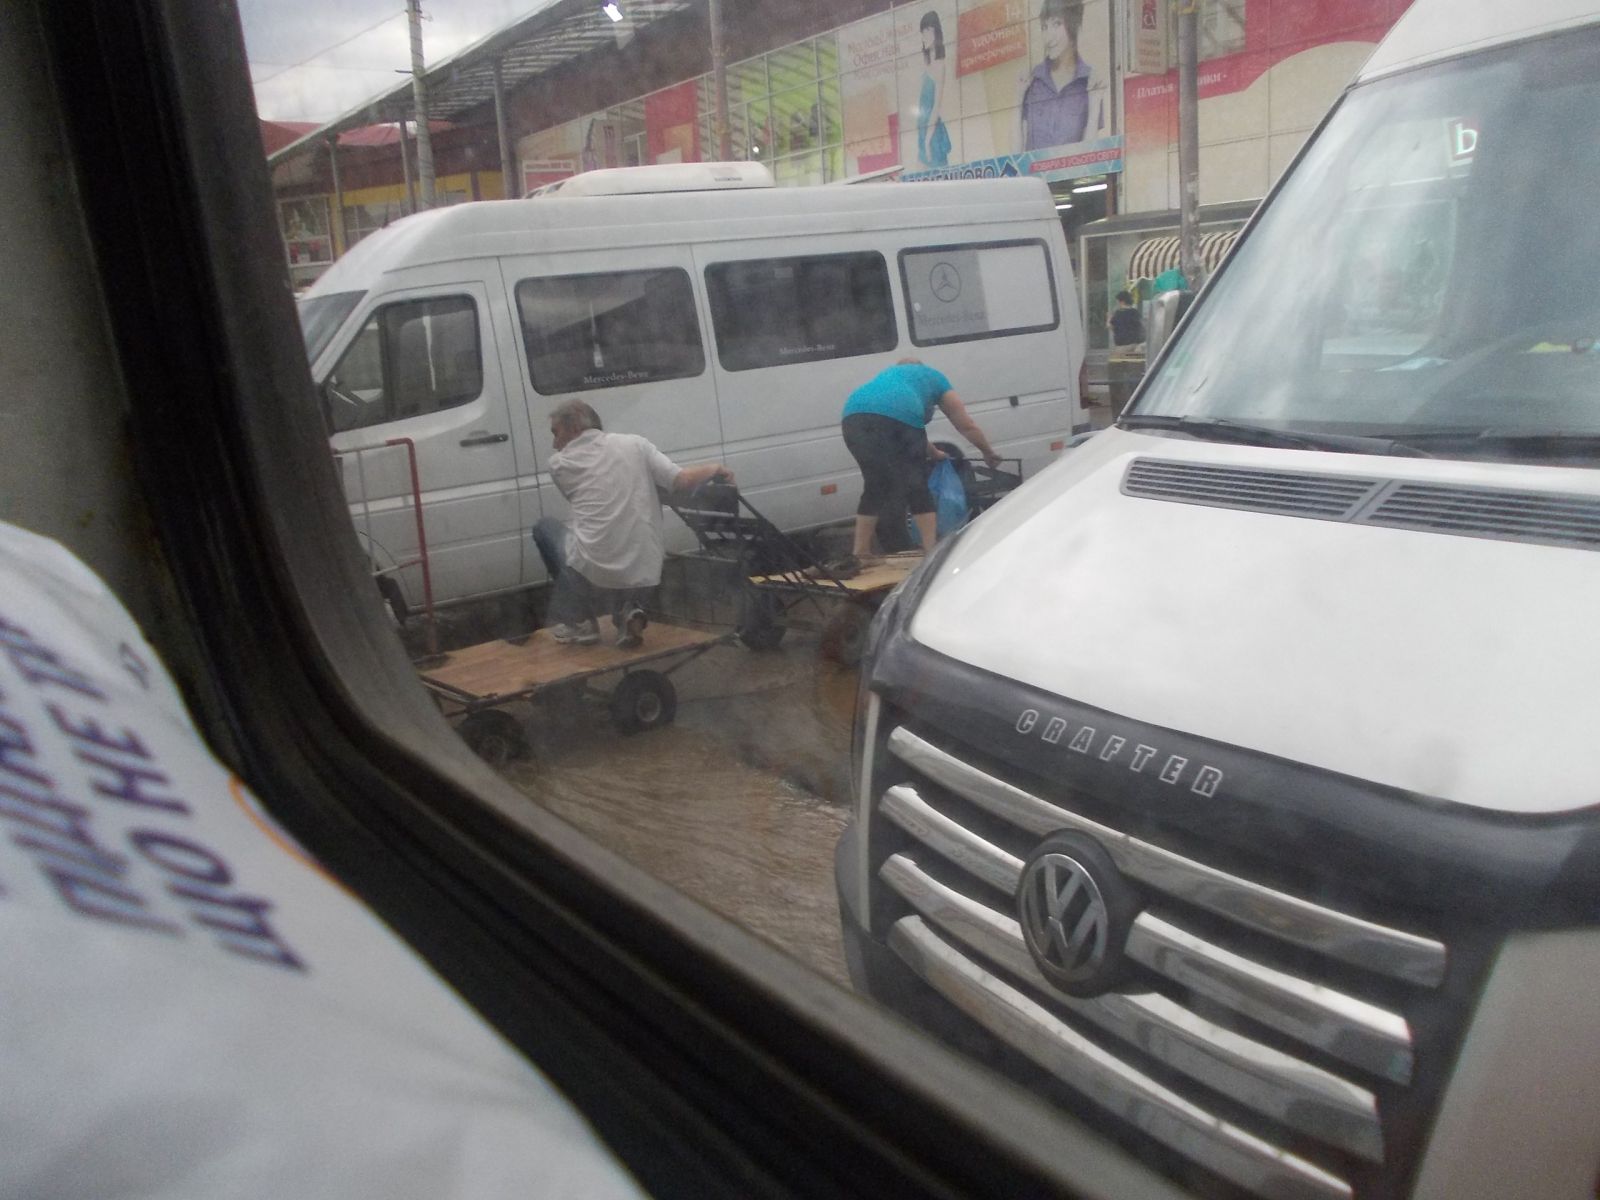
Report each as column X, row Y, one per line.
column 1099, row 157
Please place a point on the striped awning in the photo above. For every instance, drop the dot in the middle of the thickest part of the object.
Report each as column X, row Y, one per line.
column 1155, row 255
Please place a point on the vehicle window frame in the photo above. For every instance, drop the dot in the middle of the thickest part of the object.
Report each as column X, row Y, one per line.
column 996, row 244
column 387, row 365
column 713, row 288
column 712, row 1063
column 689, row 305
column 341, row 303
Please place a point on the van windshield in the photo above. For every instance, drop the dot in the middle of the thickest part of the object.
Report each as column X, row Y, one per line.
column 1425, row 278
column 321, row 316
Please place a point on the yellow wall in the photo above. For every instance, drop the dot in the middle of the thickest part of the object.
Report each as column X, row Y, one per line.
column 491, row 186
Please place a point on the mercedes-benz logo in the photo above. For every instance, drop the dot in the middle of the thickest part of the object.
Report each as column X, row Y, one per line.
column 1075, row 910
column 945, row 281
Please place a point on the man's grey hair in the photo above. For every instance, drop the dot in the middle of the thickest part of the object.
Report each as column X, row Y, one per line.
column 576, row 416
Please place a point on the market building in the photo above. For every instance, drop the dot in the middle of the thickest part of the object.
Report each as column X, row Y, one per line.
column 1080, row 94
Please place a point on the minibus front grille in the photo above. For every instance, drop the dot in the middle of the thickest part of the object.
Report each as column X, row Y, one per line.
column 1258, row 1036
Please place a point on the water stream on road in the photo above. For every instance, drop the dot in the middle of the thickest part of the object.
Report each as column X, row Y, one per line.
column 739, row 804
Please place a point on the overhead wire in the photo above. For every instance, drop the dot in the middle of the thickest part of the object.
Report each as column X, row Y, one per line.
column 328, row 49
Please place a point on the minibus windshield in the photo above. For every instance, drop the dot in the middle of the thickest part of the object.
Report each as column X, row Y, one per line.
column 320, row 318
column 1425, row 278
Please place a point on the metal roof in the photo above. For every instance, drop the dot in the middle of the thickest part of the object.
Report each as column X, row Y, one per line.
column 553, row 33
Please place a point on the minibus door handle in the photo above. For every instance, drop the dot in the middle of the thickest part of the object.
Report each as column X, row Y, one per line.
column 485, row 439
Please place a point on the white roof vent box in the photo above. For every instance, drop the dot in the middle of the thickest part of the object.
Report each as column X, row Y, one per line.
column 663, row 177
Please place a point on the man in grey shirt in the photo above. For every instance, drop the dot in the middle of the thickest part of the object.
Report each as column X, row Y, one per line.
column 610, row 554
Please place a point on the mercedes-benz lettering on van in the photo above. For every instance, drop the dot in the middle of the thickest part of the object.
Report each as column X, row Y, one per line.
column 722, row 325
column 1233, row 783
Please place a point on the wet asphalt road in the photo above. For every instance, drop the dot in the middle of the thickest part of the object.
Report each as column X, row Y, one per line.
column 738, row 804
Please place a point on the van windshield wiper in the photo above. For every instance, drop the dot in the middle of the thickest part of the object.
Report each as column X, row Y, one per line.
column 1221, row 429
column 1548, row 443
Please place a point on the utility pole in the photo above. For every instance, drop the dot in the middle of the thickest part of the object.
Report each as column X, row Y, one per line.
column 419, row 92
column 409, row 204
column 508, row 166
column 1188, row 142
column 339, row 228
column 721, row 133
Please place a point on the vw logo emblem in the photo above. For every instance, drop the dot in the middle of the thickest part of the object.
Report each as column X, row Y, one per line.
column 1075, row 910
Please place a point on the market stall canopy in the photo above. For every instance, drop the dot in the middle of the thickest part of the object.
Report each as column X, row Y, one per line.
column 553, row 33
column 1155, row 255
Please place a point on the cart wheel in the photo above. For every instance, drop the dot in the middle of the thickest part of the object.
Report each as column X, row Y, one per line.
column 760, row 620
column 494, row 736
column 844, row 637
column 643, row 700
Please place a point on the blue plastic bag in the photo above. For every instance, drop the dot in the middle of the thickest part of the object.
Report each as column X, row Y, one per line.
column 949, row 501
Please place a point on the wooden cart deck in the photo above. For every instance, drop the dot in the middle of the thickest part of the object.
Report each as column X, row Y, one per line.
column 879, row 578
column 501, row 669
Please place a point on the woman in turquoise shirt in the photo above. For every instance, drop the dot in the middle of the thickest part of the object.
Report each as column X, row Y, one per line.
column 885, row 428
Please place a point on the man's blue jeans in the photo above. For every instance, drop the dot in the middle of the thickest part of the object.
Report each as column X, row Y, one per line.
column 574, row 598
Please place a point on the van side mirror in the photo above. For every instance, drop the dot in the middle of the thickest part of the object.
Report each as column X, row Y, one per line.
column 1165, row 312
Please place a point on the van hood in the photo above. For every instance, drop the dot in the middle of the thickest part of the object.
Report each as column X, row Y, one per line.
column 1462, row 668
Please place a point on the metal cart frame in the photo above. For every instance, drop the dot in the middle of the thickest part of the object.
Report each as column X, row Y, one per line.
column 642, row 699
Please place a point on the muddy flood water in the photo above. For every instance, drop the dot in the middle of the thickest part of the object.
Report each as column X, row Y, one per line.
column 738, row 804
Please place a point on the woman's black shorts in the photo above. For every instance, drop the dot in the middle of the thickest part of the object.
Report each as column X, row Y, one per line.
column 893, row 457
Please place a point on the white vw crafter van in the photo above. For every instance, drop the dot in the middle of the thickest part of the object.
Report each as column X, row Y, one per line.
column 1235, row 784
column 722, row 325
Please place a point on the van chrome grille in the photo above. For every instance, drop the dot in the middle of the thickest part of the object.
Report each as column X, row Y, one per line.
column 1262, row 1067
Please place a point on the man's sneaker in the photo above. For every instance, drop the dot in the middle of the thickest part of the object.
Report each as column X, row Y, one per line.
column 630, row 630
column 584, row 633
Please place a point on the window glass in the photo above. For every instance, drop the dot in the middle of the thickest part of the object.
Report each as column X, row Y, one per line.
column 770, row 312
column 598, row 331
column 410, row 358
column 958, row 293
column 321, row 316
column 1440, row 282
column 361, row 220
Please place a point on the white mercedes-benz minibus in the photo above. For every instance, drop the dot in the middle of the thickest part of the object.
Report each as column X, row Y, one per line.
column 723, row 321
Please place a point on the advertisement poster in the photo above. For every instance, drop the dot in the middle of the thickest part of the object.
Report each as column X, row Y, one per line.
column 930, row 106
column 672, row 129
column 549, row 155
column 1268, row 70
column 972, row 88
column 537, row 172
column 1147, row 37
column 867, row 93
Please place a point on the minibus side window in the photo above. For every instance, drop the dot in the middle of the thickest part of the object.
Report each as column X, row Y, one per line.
column 583, row 332
column 410, row 358
column 772, row 312
column 980, row 290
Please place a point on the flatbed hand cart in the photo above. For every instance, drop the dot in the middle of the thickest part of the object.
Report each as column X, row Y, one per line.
column 782, row 585
column 983, row 484
column 475, row 683
column 986, row 485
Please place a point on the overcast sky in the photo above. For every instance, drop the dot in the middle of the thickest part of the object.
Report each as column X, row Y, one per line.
column 279, row 33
